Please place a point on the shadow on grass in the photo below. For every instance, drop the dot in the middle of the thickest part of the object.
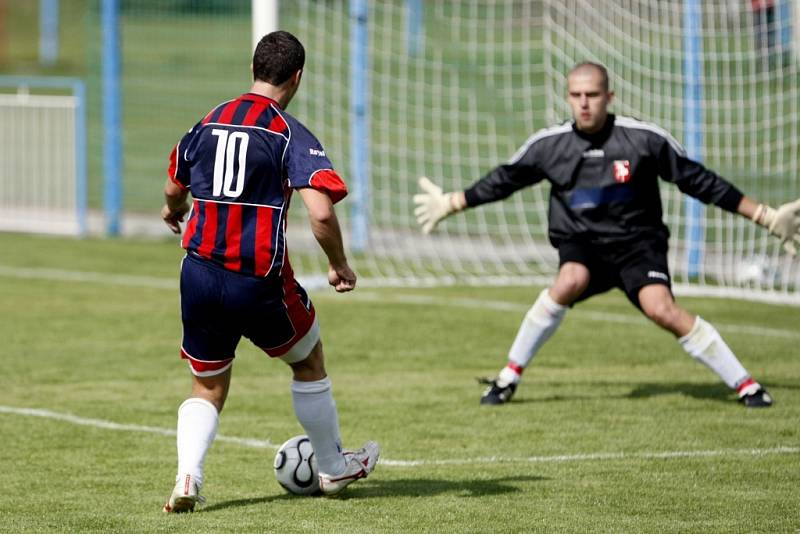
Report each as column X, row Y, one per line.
column 428, row 487
column 237, row 503
column 406, row 487
column 716, row 391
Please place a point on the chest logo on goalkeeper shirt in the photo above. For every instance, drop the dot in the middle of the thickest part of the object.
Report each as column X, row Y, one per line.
column 622, row 171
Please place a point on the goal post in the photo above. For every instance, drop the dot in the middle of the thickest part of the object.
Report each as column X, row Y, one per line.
column 43, row 183
column 264, row 19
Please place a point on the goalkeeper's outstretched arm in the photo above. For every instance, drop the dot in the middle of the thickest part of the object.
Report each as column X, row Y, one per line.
column 783, row 222
column 433, row 204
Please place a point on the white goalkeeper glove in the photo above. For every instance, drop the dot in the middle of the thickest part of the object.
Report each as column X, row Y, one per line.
column 784, row 223
column 433, row 205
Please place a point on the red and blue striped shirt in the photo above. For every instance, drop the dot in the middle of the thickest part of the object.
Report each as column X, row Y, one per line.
column 241, row 164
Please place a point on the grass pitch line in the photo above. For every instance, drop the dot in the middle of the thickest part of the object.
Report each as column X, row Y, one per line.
column 62, row 275
column 605, row 317
column 266, row 444
column 155, row 282
column 600, row 456
column 111, row 425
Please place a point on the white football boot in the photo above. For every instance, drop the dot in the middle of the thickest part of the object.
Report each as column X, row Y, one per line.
column 184, row 497
column 358, row 464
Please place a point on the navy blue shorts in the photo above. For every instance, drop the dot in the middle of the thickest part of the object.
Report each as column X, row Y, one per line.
column 628, row 266
column 219, row 306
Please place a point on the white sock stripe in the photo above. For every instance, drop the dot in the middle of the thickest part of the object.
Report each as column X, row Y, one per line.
column 552, row 306
column 266, row 444
column 317, row 386
column 198, row 400
column 700, row 337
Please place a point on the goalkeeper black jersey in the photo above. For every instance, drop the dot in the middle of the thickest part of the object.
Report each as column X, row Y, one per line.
column 604, row 186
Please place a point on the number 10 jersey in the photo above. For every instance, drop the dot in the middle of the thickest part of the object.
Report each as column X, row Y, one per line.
column 241, row 164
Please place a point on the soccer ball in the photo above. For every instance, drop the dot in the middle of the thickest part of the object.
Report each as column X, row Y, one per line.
column 757, row 270
column 296, row 467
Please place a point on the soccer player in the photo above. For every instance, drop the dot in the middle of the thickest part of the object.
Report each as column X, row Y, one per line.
column 605, row 220
column 241, row 164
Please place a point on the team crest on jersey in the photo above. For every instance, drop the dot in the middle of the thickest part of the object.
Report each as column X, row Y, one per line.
column 622, row 171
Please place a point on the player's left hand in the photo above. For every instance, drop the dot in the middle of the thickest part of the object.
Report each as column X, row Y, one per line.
column 173, row 218
column 783, row 223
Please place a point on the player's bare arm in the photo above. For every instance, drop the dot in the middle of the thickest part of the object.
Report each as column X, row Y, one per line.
column 326, row 230
column 783, row 222
column 175, row 206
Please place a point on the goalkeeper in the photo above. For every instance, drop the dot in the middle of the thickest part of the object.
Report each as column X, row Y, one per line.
column 605, row 219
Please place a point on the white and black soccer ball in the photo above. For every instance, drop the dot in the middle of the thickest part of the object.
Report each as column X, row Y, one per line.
column 296, row 467
column 758, row 270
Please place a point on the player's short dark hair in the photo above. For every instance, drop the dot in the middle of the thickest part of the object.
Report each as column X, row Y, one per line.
column 277, row 57
column 592, row 65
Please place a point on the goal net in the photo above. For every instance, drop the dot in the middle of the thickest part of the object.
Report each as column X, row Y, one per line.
column 456, row 89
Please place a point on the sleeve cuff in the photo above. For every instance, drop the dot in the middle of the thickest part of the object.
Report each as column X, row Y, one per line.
column 731, row 199
column 329, row 183
column 172, row 170
column 471, row 197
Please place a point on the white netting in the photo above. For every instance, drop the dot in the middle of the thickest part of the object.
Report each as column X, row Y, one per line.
column 751, row 108
column 466, row 101
column 489, row 73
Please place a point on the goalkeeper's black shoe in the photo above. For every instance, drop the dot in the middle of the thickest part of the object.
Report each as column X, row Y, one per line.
column 496, row 394
column 757, row 399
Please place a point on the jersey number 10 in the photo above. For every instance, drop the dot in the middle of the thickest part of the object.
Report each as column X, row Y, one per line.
column 229, row 150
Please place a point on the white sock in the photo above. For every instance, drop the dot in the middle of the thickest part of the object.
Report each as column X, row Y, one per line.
column 197, row 426
column 510, row 374
column 538, row 325
column 316, row 410
column 703, row 343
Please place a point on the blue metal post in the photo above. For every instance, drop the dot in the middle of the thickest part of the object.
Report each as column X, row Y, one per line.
column 359, row 123
column 415, row 33
column 785, row 23
column 48, row 32
column 81, row 186
column 693, row 124
column 112, row 122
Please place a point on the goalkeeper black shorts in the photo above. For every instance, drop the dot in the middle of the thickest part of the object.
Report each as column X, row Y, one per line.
column 628, row 266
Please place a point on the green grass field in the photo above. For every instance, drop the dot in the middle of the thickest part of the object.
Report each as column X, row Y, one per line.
column 614, row 429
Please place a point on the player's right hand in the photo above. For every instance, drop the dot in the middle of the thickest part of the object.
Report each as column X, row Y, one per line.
column 433, row 205
column 342, row 278
column 173, row 219
column 783, row 223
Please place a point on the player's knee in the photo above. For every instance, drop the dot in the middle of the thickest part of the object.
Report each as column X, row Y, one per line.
column 570, row 284
column 213, row 389
column 312, row 367
column 663, row 312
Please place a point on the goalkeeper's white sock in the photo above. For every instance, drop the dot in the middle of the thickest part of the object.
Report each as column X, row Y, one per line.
column 197, row 425
column 703, row 343
column 538, row 325
column 316, row 410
